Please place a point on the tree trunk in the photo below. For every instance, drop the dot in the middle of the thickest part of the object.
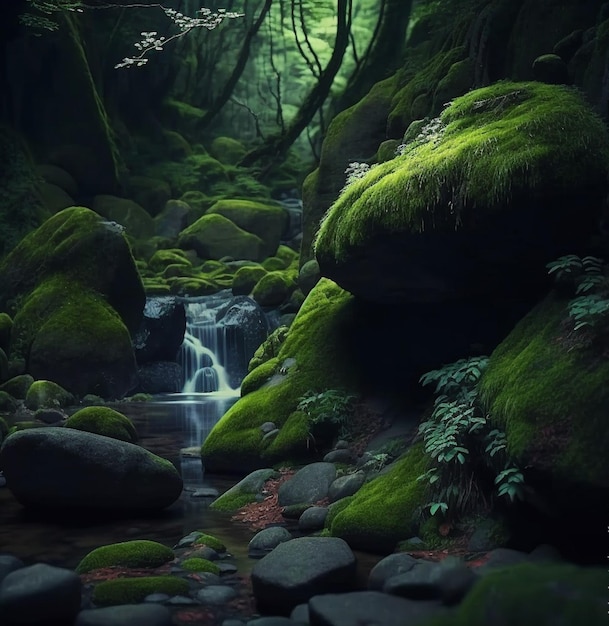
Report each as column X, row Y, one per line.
column 276, row 146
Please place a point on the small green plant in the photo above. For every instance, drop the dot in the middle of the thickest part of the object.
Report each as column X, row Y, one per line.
column 458, row 441
column 329, row 408
column 589, row 277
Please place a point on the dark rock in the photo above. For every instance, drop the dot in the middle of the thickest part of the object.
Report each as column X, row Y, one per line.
column 546, row 554
column 207, row 553
column 216, row 594
column 271, row 621
column 86, row 471
column 271, row 435
column 308, row 485
column 339, row 456
column 294, row 511
column 308, row 276
column 160, row 377
column 346, row 485
column 209, row 578
column 205, row 492
column 157, row 597
column 341, row 444
column 40, row 593
column 445, row 581
column 227, row 568
column 370, row 607
column 50, row 416
column 126, row 615
column 487, row 536
column 297, row 570
column 267, row 427
column 8, row 564
column 391, row 565
column 161, row 331
column 300, row 613
column 313, row 518
column 267, row 539
column 181, row 601
column 502, row 557
column 550, row 68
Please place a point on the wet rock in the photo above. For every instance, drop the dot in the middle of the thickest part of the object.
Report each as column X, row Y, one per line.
column 86, row 471
column 207, row 553
column 300, row 613
column 502, row 557
column 205, row 492
column 346, row 485
column 271, row 435
column 216, row 594
column 308, row 485
column 159, row 377
column 313, row 518
column 40, row 593
column 8, row 564
column 391, row 565
column 297, row 570
column 126, row 615
column 339, row 456
column 161, row 331
column 267, row 427
column 227, row 568
column 370, row 607
column 265, row 540
column 50, row 416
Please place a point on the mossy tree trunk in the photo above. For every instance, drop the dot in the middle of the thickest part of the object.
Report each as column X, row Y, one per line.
column 384, row 52
column 276, row 146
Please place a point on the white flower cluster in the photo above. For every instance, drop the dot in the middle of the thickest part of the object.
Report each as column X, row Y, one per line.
column 355, row 171
column 150, row 41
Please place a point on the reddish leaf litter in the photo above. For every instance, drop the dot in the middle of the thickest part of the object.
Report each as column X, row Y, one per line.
column 259, row 515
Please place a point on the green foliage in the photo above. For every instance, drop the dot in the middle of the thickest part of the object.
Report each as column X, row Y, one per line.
column 210, row 542
column 590, row 278
column 332, row 407
column 457, row 437
column 41, row 14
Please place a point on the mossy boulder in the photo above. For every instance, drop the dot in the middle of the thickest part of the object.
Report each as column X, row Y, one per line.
column 137, row 222
column 269, row 348
column 54, row 198
column 266, row 221
column 163, row 258
column 151, row 194
column 272, row 289
column 133, row 554
column 550, row 395
column 105, row 421
column 317, row 354
column 47, row 394
column 510, row 177
column 172, row 219
column 211, row 542
column 227, row 150
column 134, row 590
column 245, row 279
column 18, row 386
column 3, row 366
column 244, row 492
column 385, row 510
column 215, row 236
column 6, row 325
column 59, row 177
column 533, row 594
column 76, row 294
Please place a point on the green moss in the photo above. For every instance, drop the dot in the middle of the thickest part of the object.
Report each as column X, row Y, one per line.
column 550, row 400
column 273, row 288
column 162, row 258
column 6, row 324
column 534, row 595
column 47, row 394
column 273, row 263
column 315, row 342
column 140, row 397
column 134, row 590
column 211, row 542
column 293, row 439
column 232, row 502
column 500, row 142
column 134, row 554
column 189, row 286
column 18, row 386
column 196, row 564
column 227, row 150
column 104, row 421
column 245, row 279
column 258, row 376
column 385, row 510
column 335, row 508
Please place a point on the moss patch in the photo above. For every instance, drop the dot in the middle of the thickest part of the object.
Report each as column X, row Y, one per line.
column 498, row 143
column 104, row 421
column 47, row 394
column 385, row 510
column 211, row 542
column 317, row 344
column 550, row 401
column 139, row 553
column 197, row 564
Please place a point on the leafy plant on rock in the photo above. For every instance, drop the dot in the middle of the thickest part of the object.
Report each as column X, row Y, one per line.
column 330, row 409
column 461, row 445
column 589, row 277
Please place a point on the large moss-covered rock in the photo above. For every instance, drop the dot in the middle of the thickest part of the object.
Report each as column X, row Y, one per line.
column 510, row 176
column 135, row 554
column 385, row 510
column 137, row 222
column 317, row 354
column 266, row 221
column 227, row 150
column 102, row 420
column 75, row 293
column 215, row 236
column 47, row 394
column 549, row 392
column 83, row 471
column 533, row 594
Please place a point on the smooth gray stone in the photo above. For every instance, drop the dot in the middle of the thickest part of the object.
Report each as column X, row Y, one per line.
column 313, row 518
column 502, row 557
column 205, row 492
column 346, row 486
column 268, row 427
column 227, row 568
column 267, row 539
column 157, row 597
column 391, row 565
column 342, row 455
column 216, row 594
column 40, row 592
column 300, row 614
column 309, row 485
column 370, row 607
column 272, row 621
column 126, row 615
column 181, row 601
column 205, row 552
column 8, row 564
